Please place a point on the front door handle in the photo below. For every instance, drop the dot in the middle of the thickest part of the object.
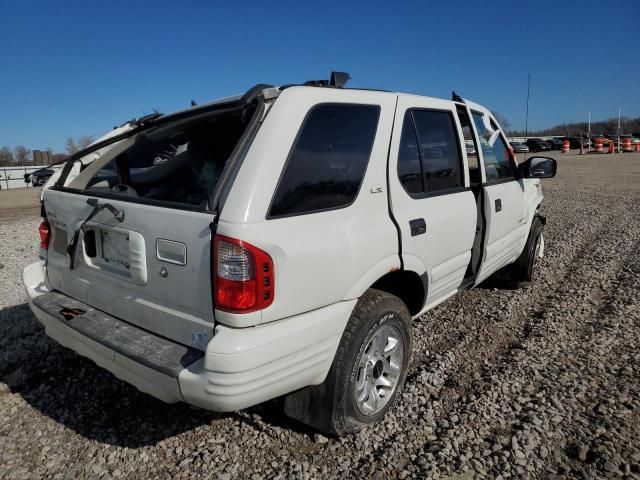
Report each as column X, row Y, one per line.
column 418, row 226
column 498, row 204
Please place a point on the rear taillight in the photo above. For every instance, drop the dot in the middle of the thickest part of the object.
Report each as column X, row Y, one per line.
column 45, row 234
column 243, row 277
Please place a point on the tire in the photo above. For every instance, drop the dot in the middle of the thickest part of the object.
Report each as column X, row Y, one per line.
column 521, row 272
column 349, row 400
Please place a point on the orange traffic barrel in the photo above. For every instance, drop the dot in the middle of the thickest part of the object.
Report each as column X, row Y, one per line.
column 626, row 144
column 611, row 147
column 638, row 147
column 565, row 146
column 599, row 145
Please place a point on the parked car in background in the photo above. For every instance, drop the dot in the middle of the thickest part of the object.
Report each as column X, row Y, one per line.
column 519, row 147
column 554, row 143
column 40, row 177
column 537, row 145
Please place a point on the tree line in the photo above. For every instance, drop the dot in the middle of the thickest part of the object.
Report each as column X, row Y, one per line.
column 605, row 127
column 22, row 156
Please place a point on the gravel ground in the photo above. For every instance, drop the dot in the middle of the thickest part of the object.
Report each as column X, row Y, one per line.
column 535, row 383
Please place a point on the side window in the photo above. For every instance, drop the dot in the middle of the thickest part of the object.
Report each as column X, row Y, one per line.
column 409, row 167
column 328, row 159
column 429, row 155
column 498, row 163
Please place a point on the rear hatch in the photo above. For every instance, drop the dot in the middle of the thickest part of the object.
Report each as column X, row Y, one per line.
column 151, row 270
column 145, row 258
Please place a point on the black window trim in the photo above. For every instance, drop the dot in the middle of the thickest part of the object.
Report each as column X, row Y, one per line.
column 474, row 139
column 498, row 181
column 420, row 161
column 289, row 155
column 442, row 191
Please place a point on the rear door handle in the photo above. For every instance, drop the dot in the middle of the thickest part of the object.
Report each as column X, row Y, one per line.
column 418, row 226
column 498, row 204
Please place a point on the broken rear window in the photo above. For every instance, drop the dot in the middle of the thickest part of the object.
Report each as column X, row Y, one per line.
column 179, row 162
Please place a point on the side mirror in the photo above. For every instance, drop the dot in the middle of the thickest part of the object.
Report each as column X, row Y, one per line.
column 538, row 167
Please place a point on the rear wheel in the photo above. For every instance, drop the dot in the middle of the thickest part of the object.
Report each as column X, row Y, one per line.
column 368, row 370
column 378, row 370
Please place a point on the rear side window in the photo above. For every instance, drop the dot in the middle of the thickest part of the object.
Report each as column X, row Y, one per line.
column 429, row 159
column 409, row 167
column 328, row 160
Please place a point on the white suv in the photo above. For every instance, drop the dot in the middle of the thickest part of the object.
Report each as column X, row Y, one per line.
column 280, row 243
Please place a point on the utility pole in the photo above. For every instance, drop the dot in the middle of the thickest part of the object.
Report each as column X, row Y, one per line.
column 618, row 129
column 589, row 133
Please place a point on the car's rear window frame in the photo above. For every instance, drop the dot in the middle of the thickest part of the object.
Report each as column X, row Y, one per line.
column 242, row 144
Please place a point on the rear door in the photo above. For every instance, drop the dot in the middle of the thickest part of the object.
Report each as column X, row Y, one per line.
column 504, row 205
column 152, row 269
column 430, row 195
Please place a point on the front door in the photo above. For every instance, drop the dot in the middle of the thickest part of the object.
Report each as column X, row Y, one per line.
column 504, row 205
column 430, row 195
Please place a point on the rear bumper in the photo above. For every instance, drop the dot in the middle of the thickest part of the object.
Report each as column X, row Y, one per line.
column 240, row 367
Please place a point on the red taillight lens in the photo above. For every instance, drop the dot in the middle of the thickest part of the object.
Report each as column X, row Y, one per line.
column 243, row 276
column 45, row 234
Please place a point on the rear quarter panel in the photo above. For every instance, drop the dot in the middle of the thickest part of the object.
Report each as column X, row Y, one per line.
column 319, row 258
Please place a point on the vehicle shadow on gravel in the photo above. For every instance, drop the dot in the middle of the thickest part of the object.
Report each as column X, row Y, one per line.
column 78, row 394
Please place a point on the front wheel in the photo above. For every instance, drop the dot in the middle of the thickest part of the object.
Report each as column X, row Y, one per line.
column 521, row 272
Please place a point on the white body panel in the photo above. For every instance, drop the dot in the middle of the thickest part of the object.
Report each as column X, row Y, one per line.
column 177, row 306
column 241, row 367
column 507, row 227
column 318, row 258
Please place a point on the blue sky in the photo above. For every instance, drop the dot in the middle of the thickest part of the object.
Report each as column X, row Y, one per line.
column 79, row 68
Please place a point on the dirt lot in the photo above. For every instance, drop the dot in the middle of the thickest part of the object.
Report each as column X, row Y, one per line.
column 19, row 203
column 536, row 383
